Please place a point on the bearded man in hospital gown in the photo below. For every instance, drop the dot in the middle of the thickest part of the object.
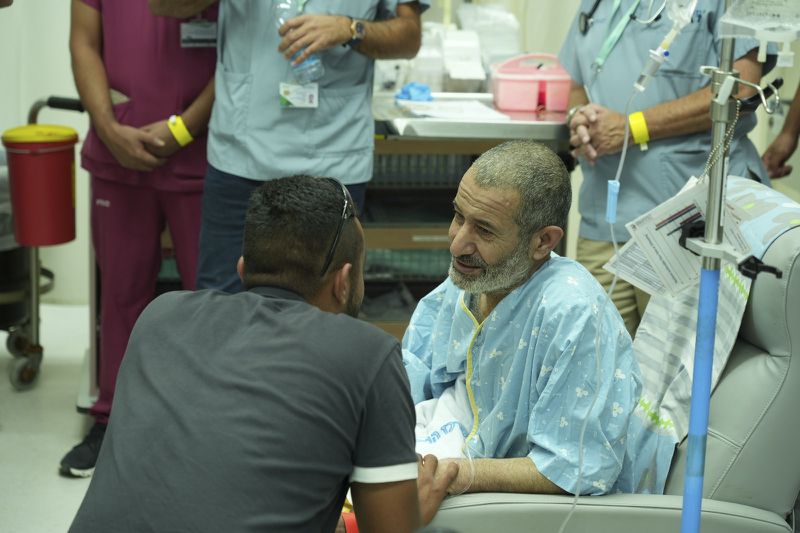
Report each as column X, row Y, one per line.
column 519, row 348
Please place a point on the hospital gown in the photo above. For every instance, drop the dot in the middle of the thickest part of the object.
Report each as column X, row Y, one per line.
column 531, row 373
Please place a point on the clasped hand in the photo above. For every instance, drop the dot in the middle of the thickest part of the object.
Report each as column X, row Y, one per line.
column 145, row 148
column 596, row 131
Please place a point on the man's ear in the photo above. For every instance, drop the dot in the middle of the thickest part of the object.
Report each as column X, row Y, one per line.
column 341, row 284
column 544, row 241
column 240, row 268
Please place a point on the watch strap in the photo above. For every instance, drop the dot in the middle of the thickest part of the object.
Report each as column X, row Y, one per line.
column 356, row 32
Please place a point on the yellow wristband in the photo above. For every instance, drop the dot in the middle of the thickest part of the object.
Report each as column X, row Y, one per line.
column 179, row 130
column 639, row 129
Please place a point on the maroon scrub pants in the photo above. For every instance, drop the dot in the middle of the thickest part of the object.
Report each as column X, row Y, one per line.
column 127, row 222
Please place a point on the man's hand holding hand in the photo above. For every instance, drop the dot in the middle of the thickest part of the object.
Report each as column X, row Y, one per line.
column 161, row 131
column 130, row 146
column 433, row 484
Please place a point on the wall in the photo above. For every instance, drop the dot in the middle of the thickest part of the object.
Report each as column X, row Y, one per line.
column 34, row 63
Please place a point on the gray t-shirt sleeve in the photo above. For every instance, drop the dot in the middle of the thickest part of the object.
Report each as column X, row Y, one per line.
column 384, row 450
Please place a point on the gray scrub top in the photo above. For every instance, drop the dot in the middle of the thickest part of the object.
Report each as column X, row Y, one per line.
column 251, row 136
column 650, row 177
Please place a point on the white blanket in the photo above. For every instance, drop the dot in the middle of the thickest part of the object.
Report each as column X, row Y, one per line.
column 443, row 423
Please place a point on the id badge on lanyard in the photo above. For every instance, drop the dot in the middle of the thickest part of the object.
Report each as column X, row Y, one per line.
column 199, row 33
column 293, row 95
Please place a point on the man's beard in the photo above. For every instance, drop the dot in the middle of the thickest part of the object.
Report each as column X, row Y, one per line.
column 503, row 277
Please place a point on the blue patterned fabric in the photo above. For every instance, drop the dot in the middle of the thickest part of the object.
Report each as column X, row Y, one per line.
column 532, row 375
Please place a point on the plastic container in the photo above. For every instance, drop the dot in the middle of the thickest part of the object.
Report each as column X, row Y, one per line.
column 41, row 168
column 311, row 69
column 523, row 83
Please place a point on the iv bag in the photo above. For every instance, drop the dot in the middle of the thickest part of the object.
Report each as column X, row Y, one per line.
column 745, row 17
column 776, row 21
column 680, row 12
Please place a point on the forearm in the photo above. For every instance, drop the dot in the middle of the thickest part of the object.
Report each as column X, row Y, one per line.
column 386, row 507
column 686, row 115
column 518, row 475
column 92, row 85
column 691, row 113
column 197, row 115
column 395, row 38
column 87, row 66
column 178, row 8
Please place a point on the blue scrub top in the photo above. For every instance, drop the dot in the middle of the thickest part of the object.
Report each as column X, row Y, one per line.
column 251, row 136
column 652, row 176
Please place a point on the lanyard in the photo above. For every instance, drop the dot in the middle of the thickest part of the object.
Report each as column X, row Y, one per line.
column 616, row 33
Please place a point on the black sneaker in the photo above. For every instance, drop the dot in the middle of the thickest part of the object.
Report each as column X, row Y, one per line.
column 80, row 460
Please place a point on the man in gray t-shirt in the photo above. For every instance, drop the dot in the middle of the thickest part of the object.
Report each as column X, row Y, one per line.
column 256, row 411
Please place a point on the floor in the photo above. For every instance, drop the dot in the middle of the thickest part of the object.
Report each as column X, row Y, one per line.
column 38, row 426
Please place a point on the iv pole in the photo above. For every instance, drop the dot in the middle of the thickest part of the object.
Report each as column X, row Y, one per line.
column 721, row 117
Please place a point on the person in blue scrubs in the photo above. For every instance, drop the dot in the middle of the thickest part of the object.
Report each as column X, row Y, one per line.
column 255, row 135
column 673, row 110
column 542, row 350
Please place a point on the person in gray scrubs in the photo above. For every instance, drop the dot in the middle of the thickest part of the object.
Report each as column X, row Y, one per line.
column 265, row 125
column 256, row 411
column 604, row 65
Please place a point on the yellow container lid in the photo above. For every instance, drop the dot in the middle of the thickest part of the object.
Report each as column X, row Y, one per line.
column 40, row 133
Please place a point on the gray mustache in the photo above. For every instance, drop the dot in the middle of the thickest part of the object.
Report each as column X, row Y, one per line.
column 471, row 261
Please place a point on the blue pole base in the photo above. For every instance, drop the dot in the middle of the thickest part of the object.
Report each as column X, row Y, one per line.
column 701, row 395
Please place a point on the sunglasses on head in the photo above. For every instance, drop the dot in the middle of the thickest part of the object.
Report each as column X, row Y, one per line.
column 346, row 213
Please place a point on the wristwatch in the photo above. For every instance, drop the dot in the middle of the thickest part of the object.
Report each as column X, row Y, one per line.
column 357, row 32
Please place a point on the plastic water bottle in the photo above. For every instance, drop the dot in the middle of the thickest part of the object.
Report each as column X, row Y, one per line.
column 312, row 68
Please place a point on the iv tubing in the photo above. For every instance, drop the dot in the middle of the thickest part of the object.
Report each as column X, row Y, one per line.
column 611, row 217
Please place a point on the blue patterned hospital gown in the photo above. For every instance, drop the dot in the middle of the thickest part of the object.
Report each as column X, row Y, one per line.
column 531, row 373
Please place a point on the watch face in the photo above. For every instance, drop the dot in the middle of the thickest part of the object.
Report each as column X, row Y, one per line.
column 359, row 30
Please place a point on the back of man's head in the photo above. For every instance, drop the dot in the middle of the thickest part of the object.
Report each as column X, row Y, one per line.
column 289, row 229
column 537, row 174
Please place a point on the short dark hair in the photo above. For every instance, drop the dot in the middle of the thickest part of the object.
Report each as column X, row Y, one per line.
column 537, row 173
column 290, row 226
